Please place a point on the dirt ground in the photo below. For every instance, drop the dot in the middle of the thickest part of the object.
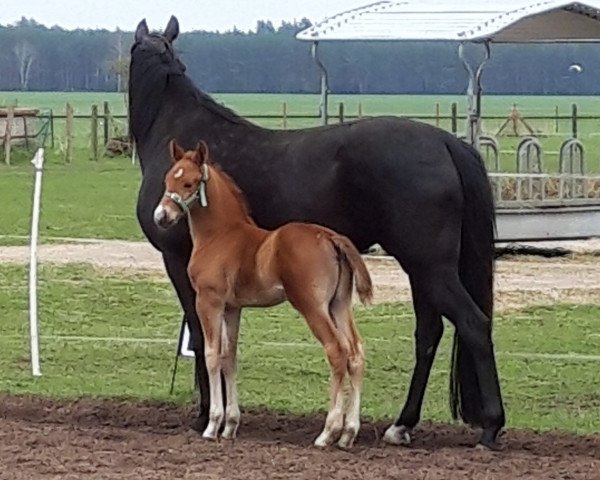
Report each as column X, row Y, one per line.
column 101, row 439
column 520, row 281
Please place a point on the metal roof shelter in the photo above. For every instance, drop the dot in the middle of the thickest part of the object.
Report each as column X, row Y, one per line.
column 479, row 22
column 500, row 21
column 466, row 21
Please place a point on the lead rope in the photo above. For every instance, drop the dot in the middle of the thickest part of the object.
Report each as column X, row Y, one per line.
column 202, row 188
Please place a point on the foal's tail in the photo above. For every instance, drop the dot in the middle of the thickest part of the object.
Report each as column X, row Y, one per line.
column 347, row 251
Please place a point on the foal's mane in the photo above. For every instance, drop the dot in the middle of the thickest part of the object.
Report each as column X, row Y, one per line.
column 235, row 190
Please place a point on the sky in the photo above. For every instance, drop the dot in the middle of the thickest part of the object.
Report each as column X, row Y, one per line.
column 212, row 15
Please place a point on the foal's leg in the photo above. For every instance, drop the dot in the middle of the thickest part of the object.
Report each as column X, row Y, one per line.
column 336, row 349
column 211, row 312
column 337, row 354
column 356, row 369
column 228, row 359
column 341, row 310
column 310, row 277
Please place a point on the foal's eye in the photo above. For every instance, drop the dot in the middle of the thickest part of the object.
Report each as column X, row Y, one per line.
column 187, row 185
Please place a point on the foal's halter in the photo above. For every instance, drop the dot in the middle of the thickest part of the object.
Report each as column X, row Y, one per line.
column 199, row 194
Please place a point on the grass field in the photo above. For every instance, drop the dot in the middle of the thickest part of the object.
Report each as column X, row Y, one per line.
column 409, row 105
column 281, row 366
column 84, row 199
column 308, row 104
column 88, row 199
column 264, row 103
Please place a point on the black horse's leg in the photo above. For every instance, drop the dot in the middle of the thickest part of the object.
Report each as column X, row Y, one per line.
column 428, row 332
column 177, row 270
column 475, row 331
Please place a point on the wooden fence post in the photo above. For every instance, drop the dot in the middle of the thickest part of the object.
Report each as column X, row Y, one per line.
column 437, row 114
column 454, row 118
column 284, row 115
column 69, row 134
column 94, row 136
column 360, row 110
column 25, row 131
column 555, row 118
column 52, row 129
column 107, row 122
column 10, row 115
column 341, row 112
column 574, row 120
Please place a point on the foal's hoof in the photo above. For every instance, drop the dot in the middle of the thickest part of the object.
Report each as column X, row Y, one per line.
column 346, row 441
column 398, row 435
column 489, row 439
column 211, row 433
column 324, row 440
column 230, row 431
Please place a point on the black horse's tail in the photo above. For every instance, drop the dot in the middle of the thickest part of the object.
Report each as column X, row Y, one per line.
column 476, row 271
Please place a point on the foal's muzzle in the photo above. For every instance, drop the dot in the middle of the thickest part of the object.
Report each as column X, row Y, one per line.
column 165, row 217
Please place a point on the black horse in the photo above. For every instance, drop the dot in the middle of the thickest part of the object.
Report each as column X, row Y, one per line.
column 419, row 192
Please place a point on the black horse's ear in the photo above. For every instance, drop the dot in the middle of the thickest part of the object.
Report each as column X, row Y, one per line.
column 141, row 31
column 172, row 29
column 175, row 151
column 202, row 152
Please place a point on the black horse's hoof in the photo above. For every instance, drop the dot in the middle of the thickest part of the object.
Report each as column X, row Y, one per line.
column 489, row 439
column 398, row 435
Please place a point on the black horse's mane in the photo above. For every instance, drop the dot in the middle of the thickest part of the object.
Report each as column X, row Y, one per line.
column 151, row 76
column 220, row 110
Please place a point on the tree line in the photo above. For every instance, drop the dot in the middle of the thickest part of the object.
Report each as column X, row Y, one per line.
column 270, row 59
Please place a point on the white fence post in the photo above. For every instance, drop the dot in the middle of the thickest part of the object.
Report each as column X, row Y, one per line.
column 133, row 152
column 38, row 163
column 185, row 342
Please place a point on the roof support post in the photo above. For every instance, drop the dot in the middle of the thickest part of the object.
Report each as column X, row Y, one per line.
column 324, row 84
column 474, row 93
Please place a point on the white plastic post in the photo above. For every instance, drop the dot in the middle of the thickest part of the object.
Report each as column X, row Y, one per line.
column 185, row 351
column 133, row 152
column 38, row 163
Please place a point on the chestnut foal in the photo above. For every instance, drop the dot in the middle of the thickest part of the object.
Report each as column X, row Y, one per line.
column 236, row 264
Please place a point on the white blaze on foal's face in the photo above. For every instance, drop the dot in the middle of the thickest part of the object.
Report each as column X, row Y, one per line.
column 183, row 178
column 166, row 213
